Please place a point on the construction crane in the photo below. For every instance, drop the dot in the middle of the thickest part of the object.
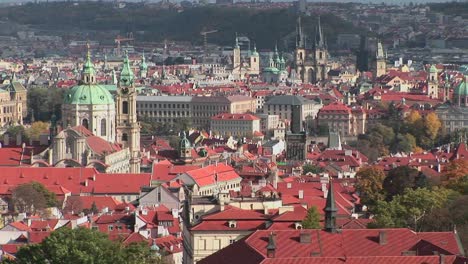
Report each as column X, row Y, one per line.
column 205, row 40
column 120, row 39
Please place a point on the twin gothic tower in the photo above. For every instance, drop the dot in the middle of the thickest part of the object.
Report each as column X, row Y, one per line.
column 310, row 64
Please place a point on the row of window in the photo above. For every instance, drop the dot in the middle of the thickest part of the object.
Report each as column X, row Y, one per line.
column 154, row 105
column 163, row 113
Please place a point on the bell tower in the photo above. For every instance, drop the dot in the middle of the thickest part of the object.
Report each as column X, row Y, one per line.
column 128, row 127
column 433, row 83
column 320, row 53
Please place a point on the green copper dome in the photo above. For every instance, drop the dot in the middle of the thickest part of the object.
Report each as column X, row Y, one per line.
column 255, row 53
column 433, row 69
column 184, row 142
column 88, row 94
column 462, row 88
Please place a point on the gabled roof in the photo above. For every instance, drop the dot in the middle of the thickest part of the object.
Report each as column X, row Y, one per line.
column 210, row 174
column 356, row 245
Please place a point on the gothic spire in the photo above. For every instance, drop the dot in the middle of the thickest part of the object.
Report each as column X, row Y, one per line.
column 319, row 40
column 300, row 41
column 380, row 52
column 330, row 210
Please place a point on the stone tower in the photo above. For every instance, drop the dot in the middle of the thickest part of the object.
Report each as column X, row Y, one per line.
column 381, row 63
column 255, row 62
column 432, row 83
column 143, row 66
column 321, row 54
column 127, row 125
column 236, row 65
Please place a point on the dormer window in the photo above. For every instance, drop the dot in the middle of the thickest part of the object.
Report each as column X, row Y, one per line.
column 298, row 225
column 232, row 224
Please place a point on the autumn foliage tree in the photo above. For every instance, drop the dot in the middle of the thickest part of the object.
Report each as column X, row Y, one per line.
column 457, row 169
column 369, row 184
column 432, row 125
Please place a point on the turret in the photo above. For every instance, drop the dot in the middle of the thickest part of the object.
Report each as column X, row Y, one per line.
column 88, row 74
column 143, row 66
column 330, row 211
column 381, row 63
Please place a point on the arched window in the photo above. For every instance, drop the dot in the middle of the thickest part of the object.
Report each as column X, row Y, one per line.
column 124, row 137
column 85, row 123
column 103, row 127
column 300, row 55
column 320, row 55
column 124, row 107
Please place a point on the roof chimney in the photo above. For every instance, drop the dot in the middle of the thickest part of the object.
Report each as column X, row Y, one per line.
column 271, row 247
column 441, row 259
column 382, row 237
column 305, row 238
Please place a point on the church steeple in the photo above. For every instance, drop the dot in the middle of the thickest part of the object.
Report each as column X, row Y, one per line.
column 319, row 40
column 330, row 211
column 300, row 39
column 143, row 66
column 126, row 75
column 88, row 74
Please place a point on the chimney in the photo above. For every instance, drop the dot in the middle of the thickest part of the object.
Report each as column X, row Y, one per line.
column 288, row 185
column 441, row 259
column 271, row 247
column 301, row 194
column 305, row 238
column 382, row 237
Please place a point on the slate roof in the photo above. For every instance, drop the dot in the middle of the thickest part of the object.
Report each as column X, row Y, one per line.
column 287, row 100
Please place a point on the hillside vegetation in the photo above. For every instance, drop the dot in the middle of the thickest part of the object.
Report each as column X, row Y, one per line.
column 265, row 27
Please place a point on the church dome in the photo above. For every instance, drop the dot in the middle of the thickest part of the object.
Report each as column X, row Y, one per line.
column 88, row 94
column 462, row 88
column 433, row 69
column 88, row 91
column 184, row 142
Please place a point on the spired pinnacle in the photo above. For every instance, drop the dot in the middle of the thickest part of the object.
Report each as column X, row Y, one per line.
column 126, row 76
column 88, row 66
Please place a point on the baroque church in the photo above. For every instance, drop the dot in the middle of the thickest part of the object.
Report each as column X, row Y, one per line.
column 99, row 130
column 243, row 67
column 310, row 64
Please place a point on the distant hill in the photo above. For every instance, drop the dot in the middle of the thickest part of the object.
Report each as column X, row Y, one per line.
column 451, row 8
column 265, row 27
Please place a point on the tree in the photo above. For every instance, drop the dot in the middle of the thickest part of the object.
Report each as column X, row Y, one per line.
column 51, row 199
column 312, row 219
column 369, row 184
column 32, row 197
column 410, row 208
column 432, row 125
column 83, row 246
column 36, row 129
column 457, row 169
column 398, row 179
column 26, row 199
column 13, row 131
column 311, row 168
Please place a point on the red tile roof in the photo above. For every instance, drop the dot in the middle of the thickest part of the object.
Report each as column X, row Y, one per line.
column 358, row 245
column 206, row 175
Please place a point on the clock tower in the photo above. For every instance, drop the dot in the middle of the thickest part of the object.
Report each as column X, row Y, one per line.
column 127, row 125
